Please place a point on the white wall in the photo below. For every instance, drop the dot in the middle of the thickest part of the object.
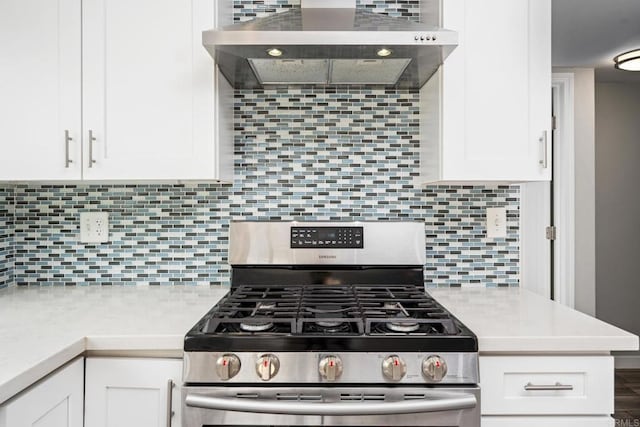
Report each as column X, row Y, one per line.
column 618, row 204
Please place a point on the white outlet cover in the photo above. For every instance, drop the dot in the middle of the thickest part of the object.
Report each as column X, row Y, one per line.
column 94, row 227
column 496, row 223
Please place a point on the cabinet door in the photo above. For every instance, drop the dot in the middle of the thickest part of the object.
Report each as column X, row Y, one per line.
column 148, row 90
column 497, row 91
column 56, row 401
column 506, row 382
column 40, row 89
column 132, row 392
column 548, row 421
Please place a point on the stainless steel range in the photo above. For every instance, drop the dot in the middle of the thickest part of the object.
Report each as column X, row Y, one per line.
column 329, row 324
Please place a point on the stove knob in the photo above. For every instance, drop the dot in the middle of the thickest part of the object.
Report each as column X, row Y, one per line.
column 434, row 368
column 267, row 366
column 394, row 368
column 227, row 366
column 330, row 368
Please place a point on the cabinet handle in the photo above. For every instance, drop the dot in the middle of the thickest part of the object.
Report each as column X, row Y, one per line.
column 92, row 139
column 67, row 141
column 544, row 140
column 170, row 412
column 551, row 387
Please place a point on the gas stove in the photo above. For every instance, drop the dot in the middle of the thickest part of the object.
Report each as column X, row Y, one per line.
column 323, row 306
column 365, row 318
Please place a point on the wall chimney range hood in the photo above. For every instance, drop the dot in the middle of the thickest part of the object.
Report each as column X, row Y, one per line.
column 329, row 43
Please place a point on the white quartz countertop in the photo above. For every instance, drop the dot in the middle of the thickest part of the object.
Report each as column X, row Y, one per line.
column 42, row 328
column 517, row 320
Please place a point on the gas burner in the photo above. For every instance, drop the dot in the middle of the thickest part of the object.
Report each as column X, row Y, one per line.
column 330, row 326
column 333, row 327
column 328, row 318
column 402, row 327
column 259, row 325
column 256, row 326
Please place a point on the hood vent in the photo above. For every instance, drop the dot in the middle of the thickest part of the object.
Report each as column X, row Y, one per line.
column 329, row 46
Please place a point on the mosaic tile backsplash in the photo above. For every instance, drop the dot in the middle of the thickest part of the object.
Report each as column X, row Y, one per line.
column 178, row 234
column 6, row 236
column 245, row 10
column 305, row 154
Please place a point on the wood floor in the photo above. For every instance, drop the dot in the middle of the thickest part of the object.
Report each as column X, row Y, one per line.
column 628, row 395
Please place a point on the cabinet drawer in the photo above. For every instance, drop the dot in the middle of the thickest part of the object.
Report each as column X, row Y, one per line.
column 566, row 421
column 513, row 385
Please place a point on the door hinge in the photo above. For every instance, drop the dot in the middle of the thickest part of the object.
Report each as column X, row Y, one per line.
column 551, row 233
column 554, row 123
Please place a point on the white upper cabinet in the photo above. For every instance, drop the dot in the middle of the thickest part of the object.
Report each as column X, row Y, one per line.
column 128, row 79
column 494, row 124
column 148, row 89
column 40, row 93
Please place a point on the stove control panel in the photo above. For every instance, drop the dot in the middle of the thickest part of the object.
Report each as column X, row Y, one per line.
column 306, row 367
column 327, row 237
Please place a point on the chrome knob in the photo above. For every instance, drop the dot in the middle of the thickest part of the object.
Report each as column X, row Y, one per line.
column 434, row 368
column 330, row 368
column 227, row 366
column 267, row 366
column 394, row 368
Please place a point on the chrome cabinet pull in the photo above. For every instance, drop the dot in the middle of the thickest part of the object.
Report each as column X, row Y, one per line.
column 447, row 403
column 544, row 140
column 92, row 139
column 170, row 412
column 67, row 141
column 551, row 387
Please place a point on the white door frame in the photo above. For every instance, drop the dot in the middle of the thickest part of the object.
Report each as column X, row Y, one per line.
column 564, row 188
column 535, row 250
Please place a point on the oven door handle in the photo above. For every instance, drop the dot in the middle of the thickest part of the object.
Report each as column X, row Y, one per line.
column 417, row 406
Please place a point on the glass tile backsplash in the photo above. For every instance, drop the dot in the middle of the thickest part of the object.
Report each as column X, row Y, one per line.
column 245, row 10
column 6, row 236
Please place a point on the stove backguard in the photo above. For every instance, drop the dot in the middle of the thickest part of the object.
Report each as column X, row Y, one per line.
column 327, row 276
column 328, row 246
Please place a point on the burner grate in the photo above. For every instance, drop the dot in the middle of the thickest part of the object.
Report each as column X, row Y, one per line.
column 331, row 310
column 257, row 310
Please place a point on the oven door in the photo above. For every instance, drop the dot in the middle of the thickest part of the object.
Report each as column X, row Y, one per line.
column 321, row 406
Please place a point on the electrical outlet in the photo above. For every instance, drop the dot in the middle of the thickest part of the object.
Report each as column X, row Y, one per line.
column 496, row 223
column 94, row 227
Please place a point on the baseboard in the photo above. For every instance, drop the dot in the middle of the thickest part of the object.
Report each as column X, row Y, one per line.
column 627, row 361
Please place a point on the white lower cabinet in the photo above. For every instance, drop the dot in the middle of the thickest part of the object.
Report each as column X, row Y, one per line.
column 55, row 401
column 547, row 421
column 547, row 391
column 125, row 392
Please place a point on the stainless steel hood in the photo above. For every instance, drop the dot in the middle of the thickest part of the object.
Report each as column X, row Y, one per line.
column 329, row 43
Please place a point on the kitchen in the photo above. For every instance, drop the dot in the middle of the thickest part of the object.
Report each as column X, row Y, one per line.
column 305, row 154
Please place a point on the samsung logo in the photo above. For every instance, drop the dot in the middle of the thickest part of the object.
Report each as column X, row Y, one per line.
column 327, row 256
